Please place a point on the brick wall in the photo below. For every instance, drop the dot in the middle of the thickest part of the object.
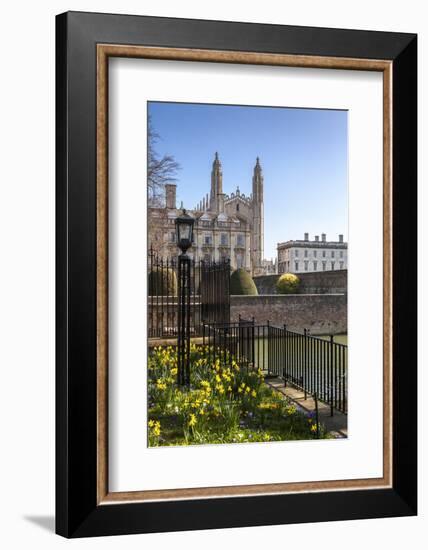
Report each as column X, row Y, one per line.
column 320, row 313
column 317, row 282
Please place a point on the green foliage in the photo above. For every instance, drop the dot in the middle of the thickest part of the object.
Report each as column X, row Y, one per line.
column 162, row 282
column 288, row 283
column 241, row 283
column 226, row 403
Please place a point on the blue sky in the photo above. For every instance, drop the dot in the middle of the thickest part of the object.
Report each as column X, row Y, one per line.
column 303, row 154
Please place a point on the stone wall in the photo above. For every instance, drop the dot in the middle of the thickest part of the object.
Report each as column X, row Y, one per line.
column 317, row 282
column 320, row 313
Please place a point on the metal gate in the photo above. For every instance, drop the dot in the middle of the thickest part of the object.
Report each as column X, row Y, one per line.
column 215, row 292
column 208, row 300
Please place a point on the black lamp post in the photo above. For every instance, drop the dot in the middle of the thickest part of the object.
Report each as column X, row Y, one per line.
column 184, row 233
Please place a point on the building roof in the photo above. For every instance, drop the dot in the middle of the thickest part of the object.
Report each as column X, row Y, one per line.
column 312, row 244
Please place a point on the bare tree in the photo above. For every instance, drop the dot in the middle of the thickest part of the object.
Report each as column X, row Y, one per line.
column 160, row 170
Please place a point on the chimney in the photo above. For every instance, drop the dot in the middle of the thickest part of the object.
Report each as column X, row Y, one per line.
column 341, row 238
column 323, row 237
column 317, row 238
column 170, row 195
column 306, row 236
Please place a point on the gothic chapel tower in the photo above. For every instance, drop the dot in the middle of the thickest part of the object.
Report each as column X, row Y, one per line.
column 257, row 243
column 216, row 184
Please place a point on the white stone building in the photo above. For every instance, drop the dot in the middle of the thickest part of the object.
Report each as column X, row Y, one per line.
column 317, row 255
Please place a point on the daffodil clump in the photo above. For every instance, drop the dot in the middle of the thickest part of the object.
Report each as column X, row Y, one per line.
column 224, row 404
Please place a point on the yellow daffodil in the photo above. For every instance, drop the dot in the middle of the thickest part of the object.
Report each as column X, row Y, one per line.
column 160, row 384
column 155, row 427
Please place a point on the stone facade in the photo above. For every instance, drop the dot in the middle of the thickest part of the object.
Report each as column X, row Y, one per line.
column 320, row 313
column 305, row 255
column 226, row 226
column 320, row 282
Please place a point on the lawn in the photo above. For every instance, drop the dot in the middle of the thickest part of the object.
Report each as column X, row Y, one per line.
column 224, row 404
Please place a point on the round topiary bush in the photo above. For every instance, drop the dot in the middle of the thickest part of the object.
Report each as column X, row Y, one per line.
column 241, row 283
column 288, row 283
column 162, row 282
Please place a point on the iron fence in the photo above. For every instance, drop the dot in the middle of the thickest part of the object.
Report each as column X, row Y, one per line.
column 208, row 300
column 315, row 365
column 227, row 341
column 215, row 291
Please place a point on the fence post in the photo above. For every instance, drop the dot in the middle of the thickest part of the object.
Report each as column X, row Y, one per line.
column 268, row 348
column 331, row 373
column 305, row 362
column 253, row 344
column 284, row 368
column 317, row 418
column 183, row 340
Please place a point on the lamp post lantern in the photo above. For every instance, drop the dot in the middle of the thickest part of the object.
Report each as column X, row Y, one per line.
column 184, row 233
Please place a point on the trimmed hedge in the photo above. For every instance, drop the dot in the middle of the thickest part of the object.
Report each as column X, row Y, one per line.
column 288, row 283
column 241, row 283
column 162, row 282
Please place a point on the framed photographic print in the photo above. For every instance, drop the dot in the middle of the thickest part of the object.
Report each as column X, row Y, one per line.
column 236, row 274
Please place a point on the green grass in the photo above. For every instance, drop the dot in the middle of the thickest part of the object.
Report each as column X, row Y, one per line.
column 249, row 430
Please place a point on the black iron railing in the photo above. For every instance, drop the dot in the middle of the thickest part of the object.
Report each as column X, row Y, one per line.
column 208, row 298
column 230, row 341
column 162, row 314
column 313, row 364
column 215, row 291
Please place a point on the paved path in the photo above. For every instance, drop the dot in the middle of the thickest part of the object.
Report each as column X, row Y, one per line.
column 337, row 424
